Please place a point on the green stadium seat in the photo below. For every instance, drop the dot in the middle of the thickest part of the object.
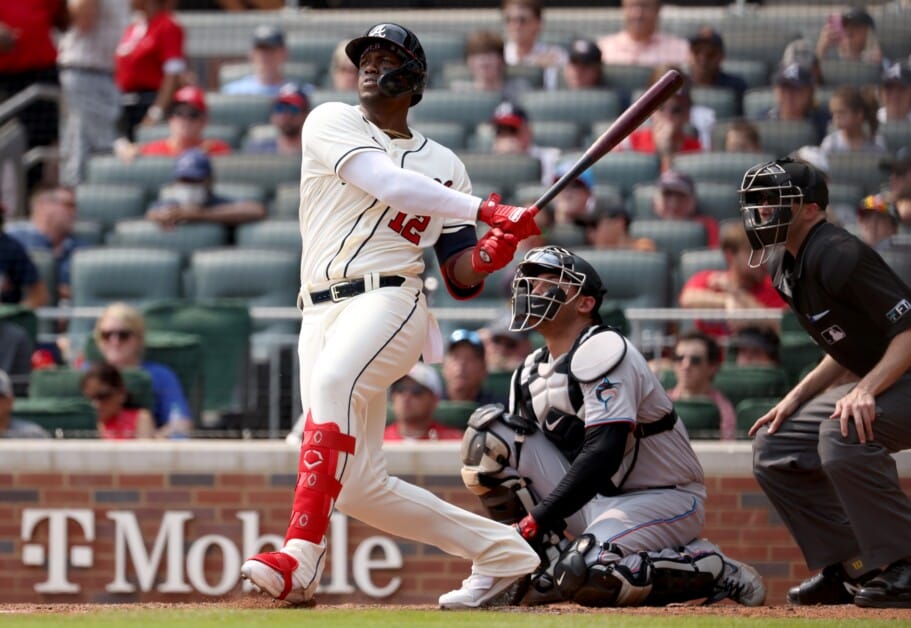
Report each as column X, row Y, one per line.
column 238, row 110
column 562, row 134
column 183, row 239
column 583, row 106
column 183, row 353
column 749, row 410
column 229, row 133
column 498, row 382
column 626, row 77
column 241, row 191
column 442, row 48
column 66, row 383
column 693, row 261
column 148, row 172
column 625, row 169
column 721, row 167
column 314, row 47
column 107, row 203
column 778, row 137
column 452, row 135
column 724, row 101
column 892, row 34
column 267, row 171
column 60, row 417
column 633, row 278
column 845, row 193
column 569, row 236
column 276, row 234
column 859, row 168
column 671, row 236
column 466, row 108
column 752, row 41
column 754, row 72
column 297, row 71
column 320, row 96
column 701, row 417
column 897, row 133
column 454, row 413
column 507, row 171
column 286, row 202
column 740, row 382
column 756, row 101
column 89, row 232
column 24, row 317
column 718, row 200
column 849, row 72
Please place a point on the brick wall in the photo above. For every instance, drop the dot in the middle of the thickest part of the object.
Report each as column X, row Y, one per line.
column 216, row 482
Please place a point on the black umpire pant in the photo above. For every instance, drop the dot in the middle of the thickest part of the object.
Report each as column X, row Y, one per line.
column 840, row 499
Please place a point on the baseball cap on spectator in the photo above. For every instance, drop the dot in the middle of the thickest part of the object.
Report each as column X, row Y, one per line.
column 6, row 386
column 610, row 207
column 509, row 115
column 897, row 73
column 707, row 35
column 268, row 36
column 192, row 96
column 293, row 94
column 676, row 181
column 877, row 204
column 466, row 336
column 899, row 163
column 193, row 165
column 857, row 16
column 800, row 51
column 586, row 178
column 426, row 376
column 793, row 75
column 584, row 52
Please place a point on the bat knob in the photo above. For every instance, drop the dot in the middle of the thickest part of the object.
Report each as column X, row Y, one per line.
column 485, row 256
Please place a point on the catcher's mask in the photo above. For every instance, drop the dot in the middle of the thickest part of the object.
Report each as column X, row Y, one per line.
column 410, row 77
column 536, row 298
column 767, row 196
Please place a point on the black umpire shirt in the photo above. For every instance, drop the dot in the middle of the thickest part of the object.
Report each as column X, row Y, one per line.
column 843, row 293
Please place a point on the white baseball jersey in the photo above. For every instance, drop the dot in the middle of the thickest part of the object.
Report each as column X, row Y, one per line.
column 347, row 232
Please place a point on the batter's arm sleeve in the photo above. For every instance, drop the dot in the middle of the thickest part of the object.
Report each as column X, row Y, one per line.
column 405, row 190
column 601, row 455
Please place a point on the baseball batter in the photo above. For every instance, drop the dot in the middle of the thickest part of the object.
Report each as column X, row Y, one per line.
column 374, row 194
column 591, row 449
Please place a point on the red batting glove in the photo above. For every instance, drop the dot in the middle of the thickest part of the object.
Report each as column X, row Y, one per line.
column 493, row 251
column 527, row 527
column 519, row 221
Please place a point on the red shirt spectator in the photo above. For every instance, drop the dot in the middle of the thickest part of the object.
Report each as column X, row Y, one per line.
column 30, row 23
column 186, row 126
column 763, row 292
column 146, row 51
column 435, row 431
column 643, row 141
column 166, row 148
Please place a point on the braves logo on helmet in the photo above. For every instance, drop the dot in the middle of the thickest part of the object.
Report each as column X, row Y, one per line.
column 411, row 76
column 377, row 31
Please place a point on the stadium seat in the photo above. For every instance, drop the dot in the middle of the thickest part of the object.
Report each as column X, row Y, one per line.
column 671, row 236
column 267, row 171
column 238, row 110
column 562, row 134
column 315, row 47
column 183, row 239
column 719, row 200
column 223, row 330
column 896, row 133
column 531, row 77
column 701, row 417
column 89, row 232
column 845, row 194
column 466, row 108
column 777, row 137
column 229, row 133
column 60, row 417
column 754, row 72
column 849, row 72
column 626, row 77
column 568, row 236
column 498, row 382
column 137, row 275
column 507, row 171
column 583, row 106
column 44, row 261
column 454, row 413
column 859, row 168
column 297, row 71
column 286, row 202
column 241, row 191
column 148, row 172
column 63, row 382
column 717, row 166
column 756, row 101
column 320, row 96
column 632, row 278
column 692, row 261
column 751, row 41
column 24, row 317
column 275, row 234
column 724, row 101
column 750, row 409
column 740, row 382
column 442, row 48
column 892, row 34
column 452, row 135
column 107, row 203
column 624, row 169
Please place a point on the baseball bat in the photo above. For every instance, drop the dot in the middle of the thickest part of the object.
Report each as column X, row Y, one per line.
column 629, row 121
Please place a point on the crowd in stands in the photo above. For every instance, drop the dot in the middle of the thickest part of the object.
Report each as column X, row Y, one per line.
column 129, row 93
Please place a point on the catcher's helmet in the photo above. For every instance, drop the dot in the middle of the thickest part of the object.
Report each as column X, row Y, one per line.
column 530, row 308
column 410, row 77
column 767, row 193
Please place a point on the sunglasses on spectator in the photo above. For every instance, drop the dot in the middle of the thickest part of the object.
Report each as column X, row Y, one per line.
column 695, row 360
column 121, row 334
column 190, row 113
column 102, row 395
column 285, row 107
column 517, row 19
column 414, row 388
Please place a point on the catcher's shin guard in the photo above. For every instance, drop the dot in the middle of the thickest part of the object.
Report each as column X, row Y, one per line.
column 317, row 488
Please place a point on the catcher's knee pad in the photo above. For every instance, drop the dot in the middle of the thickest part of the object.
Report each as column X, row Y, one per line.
column 484, row 453
column 508, row 502
column 584, row 573
column 317, row 487
column 681, row 578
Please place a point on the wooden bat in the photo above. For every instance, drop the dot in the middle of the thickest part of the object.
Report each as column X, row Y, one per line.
column 629, row 121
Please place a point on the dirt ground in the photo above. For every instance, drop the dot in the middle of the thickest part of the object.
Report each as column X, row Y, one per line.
column 718, row 610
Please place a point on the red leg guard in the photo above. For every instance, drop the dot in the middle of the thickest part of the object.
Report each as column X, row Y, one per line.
column 316, row 487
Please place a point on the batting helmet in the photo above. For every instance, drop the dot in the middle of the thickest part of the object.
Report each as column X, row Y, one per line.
column 767, row 193
column 410, row 77
column 530, row 308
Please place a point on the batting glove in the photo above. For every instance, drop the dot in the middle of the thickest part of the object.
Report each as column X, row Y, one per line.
column 527, row 527
column 519, row 221
column 493, row 251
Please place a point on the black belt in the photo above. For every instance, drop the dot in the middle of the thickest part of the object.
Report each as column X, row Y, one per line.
column 348, row 289
column 87, row 70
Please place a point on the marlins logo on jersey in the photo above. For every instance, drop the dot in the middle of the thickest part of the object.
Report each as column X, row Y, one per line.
column 606, row 391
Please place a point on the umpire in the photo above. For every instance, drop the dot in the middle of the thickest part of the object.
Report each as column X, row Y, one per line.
column 822, row 454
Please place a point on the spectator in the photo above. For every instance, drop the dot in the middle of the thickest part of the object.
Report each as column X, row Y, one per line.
column 16, row 350
column 342, row 71
column 583, row 69
column 86, row 64
column 741, row 285
column 51, row 228
column 289, row 111
column 895, row 94
column 513, row 136
column 119, row 417
column 148, row 64
column 675, row 199
column 120, row 336
column 20, row 282
column 756, row 346
column 267, row 56
column 487, row 67
column 742, row 136
column 608, row 228
column 640, row 42
column 191, row 198
column 802, row 52
column 575, row 204
column 523, row 46
column 854, row 119
column 187, row 119
column 669, row 133
column 877, row 221
column 10, row 427
column 504, row 350
column 414, row 400
column 795, row 99
column 849, row 36
column 465, row 369
column 697, row 358
column 706, row 57
column 28, row 57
